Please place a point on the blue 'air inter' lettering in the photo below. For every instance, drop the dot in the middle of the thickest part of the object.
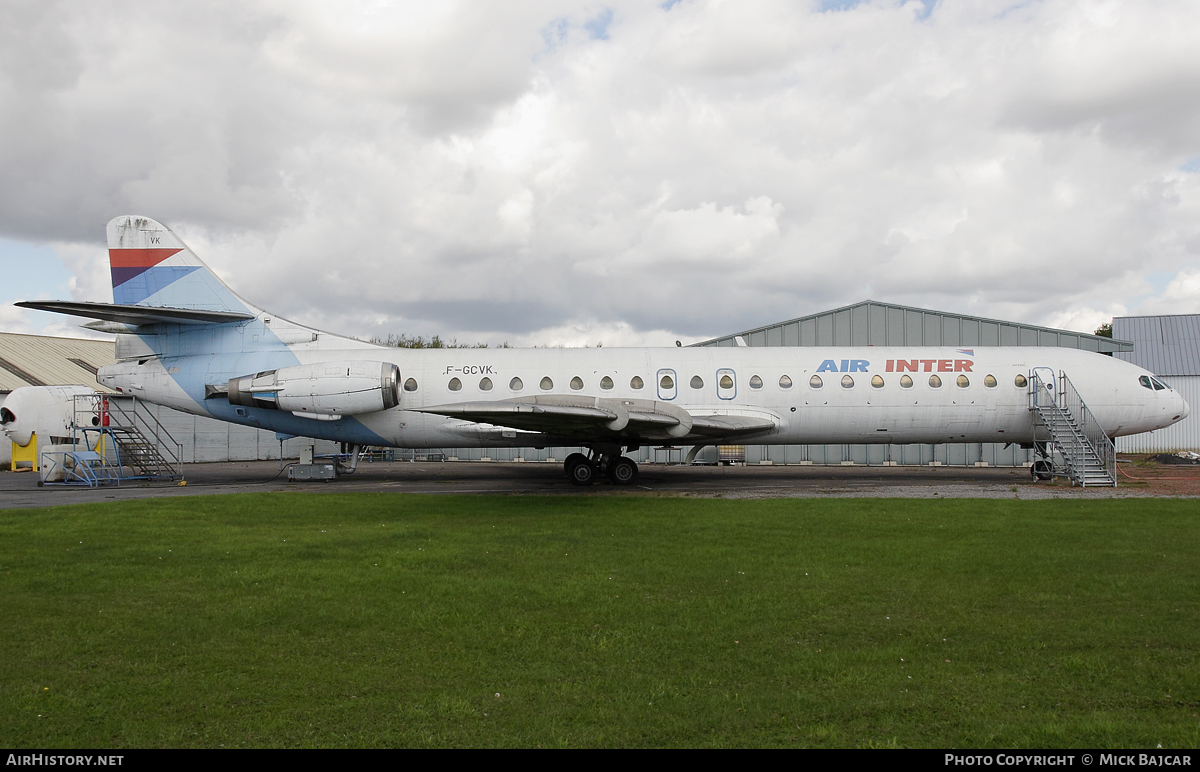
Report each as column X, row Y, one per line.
column 848, row 366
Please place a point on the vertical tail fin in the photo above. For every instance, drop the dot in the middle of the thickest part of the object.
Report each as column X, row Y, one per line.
column 151, row 266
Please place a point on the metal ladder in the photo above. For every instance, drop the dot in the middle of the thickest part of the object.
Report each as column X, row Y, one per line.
column 139, row 441
column 1089, row 457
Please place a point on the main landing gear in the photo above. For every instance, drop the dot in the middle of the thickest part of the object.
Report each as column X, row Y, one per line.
column 583, row 470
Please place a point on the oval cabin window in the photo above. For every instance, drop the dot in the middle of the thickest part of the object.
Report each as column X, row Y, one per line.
column 905, row 382
column 606, row 383
column 546, row 384
column 847, row 382
column 515, row 384
column 877, row 381
column 485, row 384
column 636, row 383
column 755, row 382
column 1020, row 381
column 697, row 382
column 785, row 382
column 815, row 382
column 726, row 382
column 963, row 382
column 410, row 385
column 989, row 381
column 576, row 383
column 666, row 383
column 935, row 382
column 455, row 384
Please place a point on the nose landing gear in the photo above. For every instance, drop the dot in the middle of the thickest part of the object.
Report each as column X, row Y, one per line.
column 1043, row 466
column 582, row 470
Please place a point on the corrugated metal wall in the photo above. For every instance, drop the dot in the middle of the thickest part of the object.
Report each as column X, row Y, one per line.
column 1184, row 435
column 1169, row 347
column 1164, row 345
column 207, row 439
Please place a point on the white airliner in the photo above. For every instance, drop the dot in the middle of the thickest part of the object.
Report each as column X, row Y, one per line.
column 185, row 340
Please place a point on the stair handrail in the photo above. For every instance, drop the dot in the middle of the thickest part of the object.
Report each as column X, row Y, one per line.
column 120, row 411
column 1087, row 425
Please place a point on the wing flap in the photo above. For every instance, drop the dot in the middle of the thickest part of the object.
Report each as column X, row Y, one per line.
column 730, row 425
column 584, row 418
column 525, row 415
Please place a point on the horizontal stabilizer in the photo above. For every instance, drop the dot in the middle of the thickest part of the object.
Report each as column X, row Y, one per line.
column 135, row 315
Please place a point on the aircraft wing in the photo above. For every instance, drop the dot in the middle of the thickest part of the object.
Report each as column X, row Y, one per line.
column 586, row 418
column 134, row 315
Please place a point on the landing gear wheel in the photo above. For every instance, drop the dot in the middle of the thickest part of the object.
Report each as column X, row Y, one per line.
column 1041, row 469
column 572, row 460
column 622, row 471
column 581, row 472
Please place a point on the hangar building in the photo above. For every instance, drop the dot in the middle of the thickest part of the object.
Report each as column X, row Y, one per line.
column 871, row 323
column 1168, row 346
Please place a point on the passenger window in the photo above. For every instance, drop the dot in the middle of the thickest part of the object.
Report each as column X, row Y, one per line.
column 963, row 381
column 785, row 382
column 546, row 384
column 667, row 382
column 606, row 383
column 905, row 382
column 697, row 382
column 935, row 382
column 515, row 384
column 726, row 382
column 815, row 382
column 989, row 381
column 877, row 381
column 455, row 384
column 1020, row 381
column 636, row 383
column 755, row 382
column 410, row 385
column 485, row 384
column 847, row 382
column 576, row 383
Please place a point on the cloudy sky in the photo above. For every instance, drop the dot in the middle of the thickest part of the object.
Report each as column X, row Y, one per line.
column 620, row 172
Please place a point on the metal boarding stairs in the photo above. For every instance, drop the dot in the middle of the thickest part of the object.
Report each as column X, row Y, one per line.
column 1089, row 458
column 114, row 441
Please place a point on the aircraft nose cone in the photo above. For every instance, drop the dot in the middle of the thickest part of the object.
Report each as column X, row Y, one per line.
column 1184, row 409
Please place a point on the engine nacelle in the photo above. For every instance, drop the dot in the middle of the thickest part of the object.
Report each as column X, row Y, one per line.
column 47, row 410
column 326, row 391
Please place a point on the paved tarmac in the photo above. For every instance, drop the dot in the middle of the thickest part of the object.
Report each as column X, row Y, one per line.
column 20, row 489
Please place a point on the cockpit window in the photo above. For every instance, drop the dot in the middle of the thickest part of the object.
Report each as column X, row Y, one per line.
column 1145, row 381
column 1159, row 385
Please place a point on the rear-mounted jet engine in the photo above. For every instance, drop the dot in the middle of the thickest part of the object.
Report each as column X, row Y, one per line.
column 324, row 391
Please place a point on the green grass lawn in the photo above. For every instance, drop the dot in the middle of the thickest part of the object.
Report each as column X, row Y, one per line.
column 403, row 620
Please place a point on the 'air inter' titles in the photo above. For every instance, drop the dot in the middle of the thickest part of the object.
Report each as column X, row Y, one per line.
column 898, row 366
